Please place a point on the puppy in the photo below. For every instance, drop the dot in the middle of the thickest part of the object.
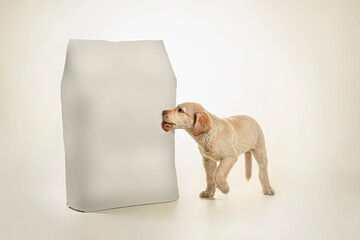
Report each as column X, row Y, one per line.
column 221, row 140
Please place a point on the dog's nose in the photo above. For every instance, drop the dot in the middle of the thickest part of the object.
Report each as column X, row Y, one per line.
column 164, row 112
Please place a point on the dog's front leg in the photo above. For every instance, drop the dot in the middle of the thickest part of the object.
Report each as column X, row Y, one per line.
column 222, row 172
column 210, row 167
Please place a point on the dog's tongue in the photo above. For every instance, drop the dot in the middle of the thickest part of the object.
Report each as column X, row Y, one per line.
column 163, row 126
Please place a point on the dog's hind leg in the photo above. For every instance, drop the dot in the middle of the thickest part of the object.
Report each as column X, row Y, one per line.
column 261, row 158
column 222, row 172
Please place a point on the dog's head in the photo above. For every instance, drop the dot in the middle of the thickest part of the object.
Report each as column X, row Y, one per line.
column 187, row 116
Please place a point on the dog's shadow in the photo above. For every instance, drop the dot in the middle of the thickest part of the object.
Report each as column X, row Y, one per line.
column 212, row 199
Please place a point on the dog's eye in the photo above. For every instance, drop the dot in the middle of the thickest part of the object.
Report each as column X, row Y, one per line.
column 180, row 110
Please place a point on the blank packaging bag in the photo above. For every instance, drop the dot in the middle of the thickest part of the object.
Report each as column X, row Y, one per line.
column 113, row 95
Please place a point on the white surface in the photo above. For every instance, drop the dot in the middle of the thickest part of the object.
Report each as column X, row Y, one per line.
column 292, row 65
column 114, row 157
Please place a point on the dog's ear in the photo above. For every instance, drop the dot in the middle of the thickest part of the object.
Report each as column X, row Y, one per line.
column 202, row 123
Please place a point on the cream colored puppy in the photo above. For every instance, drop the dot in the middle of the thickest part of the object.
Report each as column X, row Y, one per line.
column 221, row 140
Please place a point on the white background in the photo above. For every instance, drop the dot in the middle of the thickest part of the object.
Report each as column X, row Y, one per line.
column 292, row 65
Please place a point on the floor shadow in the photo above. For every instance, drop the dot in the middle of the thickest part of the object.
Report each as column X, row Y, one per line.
column 159, row 209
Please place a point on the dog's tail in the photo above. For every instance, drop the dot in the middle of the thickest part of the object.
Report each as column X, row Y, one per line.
column 248, row 165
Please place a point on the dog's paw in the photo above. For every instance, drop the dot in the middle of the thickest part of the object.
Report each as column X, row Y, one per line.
column 222, row 185
column 268, row 191
column 207, row 194
column 225, row 188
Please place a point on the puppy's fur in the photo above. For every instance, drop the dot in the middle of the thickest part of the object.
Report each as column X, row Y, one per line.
column 221, row 140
